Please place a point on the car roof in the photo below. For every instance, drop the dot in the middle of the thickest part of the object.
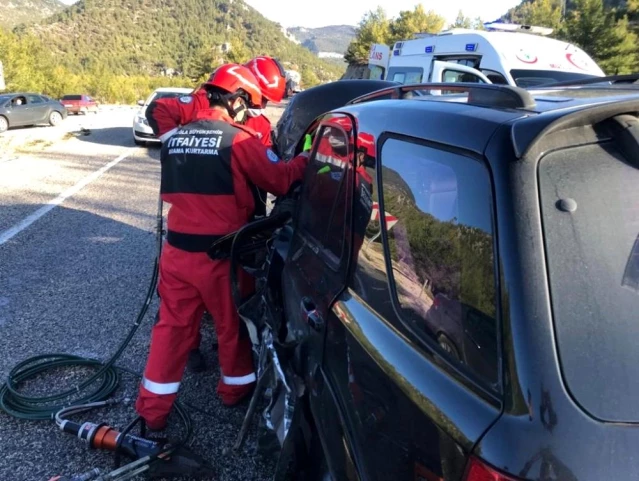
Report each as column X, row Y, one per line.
column 452, row 120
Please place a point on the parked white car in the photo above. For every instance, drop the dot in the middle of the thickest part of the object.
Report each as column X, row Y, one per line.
column 142, row 132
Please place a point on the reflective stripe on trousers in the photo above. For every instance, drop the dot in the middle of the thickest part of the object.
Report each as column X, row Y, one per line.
column 160, row 388
column 239, row 380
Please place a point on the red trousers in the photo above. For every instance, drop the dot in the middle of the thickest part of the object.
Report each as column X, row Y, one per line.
column 189, row 284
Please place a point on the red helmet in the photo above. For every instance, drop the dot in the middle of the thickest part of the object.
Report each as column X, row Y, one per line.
column 366, row 142
column 232, row 78
column 270, row 75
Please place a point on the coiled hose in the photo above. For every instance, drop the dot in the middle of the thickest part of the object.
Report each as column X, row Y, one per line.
column 106, row 379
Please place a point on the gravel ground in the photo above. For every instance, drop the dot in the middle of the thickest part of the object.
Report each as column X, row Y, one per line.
column 74, row 281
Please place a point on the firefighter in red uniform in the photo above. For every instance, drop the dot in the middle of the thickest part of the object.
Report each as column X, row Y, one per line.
column 166, row 115
column 208, row 167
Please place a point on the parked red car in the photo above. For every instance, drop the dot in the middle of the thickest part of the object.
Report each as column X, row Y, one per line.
column 79, row 103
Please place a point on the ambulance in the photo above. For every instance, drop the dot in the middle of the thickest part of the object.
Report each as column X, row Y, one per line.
column 512, row 54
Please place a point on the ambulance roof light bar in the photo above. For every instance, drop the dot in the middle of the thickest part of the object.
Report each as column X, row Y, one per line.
column 515, row 27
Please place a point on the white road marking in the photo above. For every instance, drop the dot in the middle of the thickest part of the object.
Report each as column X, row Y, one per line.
column 26, row 222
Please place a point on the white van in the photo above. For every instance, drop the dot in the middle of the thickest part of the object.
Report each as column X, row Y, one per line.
column 503, row 54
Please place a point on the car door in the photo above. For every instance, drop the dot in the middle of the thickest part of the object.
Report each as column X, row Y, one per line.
column 37, row 108
column 411, row 410
column 316, row 268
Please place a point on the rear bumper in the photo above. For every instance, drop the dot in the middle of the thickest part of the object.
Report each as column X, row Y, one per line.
column 75, row 109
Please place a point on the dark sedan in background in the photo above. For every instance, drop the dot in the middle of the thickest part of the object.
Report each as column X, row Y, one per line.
column 21, row 109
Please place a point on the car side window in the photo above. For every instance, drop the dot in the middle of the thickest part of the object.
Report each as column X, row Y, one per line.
column 439, row 252
column 34, row 99
column 322, row 214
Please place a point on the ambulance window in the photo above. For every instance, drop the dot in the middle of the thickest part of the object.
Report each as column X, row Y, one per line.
column 472, row 62
column 377, row 73
column 451, row 76
column 399, row 77
column 494, row 77
column 407, row 75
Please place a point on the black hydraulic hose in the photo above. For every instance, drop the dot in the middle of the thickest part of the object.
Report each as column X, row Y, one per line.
column 106, row 378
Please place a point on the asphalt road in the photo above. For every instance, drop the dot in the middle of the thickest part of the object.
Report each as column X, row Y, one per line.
column 77, row 244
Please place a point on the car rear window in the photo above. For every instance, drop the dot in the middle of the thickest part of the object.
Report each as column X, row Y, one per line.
column 72, row 97
column 590, row 206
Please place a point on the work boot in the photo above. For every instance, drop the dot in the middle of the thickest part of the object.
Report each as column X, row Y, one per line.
column 196, row 361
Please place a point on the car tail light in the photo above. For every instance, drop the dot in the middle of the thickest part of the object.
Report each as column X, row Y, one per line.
column 477, row 470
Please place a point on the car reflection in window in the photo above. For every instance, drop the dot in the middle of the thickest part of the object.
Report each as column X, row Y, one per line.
column 439, row 228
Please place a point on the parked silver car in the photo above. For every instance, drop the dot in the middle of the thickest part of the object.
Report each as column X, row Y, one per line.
column 142, row 132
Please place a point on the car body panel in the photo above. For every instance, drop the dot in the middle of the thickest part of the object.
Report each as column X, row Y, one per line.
column 397, row 407
column 558, row 435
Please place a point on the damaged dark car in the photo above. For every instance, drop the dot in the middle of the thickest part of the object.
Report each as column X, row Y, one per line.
column 452, row 292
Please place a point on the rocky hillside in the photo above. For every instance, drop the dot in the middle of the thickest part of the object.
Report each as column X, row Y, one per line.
column 15, row 12
column 181, row 36
column 325, row 40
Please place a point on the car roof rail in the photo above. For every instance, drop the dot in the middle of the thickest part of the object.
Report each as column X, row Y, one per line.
column 632, row 78
column 488, row 95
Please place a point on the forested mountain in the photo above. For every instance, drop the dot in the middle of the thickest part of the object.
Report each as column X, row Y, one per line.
column 153, row 36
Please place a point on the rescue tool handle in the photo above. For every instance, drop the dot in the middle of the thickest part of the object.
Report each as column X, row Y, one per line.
column 310, row 314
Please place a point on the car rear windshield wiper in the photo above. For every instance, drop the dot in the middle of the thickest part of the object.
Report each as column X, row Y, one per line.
column 613, row 79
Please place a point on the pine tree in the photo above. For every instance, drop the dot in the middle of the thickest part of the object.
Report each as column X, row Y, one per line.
column 416, row 21
column 543, row 13
column 607, row 40
column 373, row 28
column 461, row 21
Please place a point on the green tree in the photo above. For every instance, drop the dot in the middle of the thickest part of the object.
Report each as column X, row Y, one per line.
column 543, row 13
column 607, row 39
column 373, row 28
column 462, row 21
column 238, row 53
column 415, row 21
column 309, row 79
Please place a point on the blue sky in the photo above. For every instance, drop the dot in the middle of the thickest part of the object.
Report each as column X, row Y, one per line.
column 319, row 13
